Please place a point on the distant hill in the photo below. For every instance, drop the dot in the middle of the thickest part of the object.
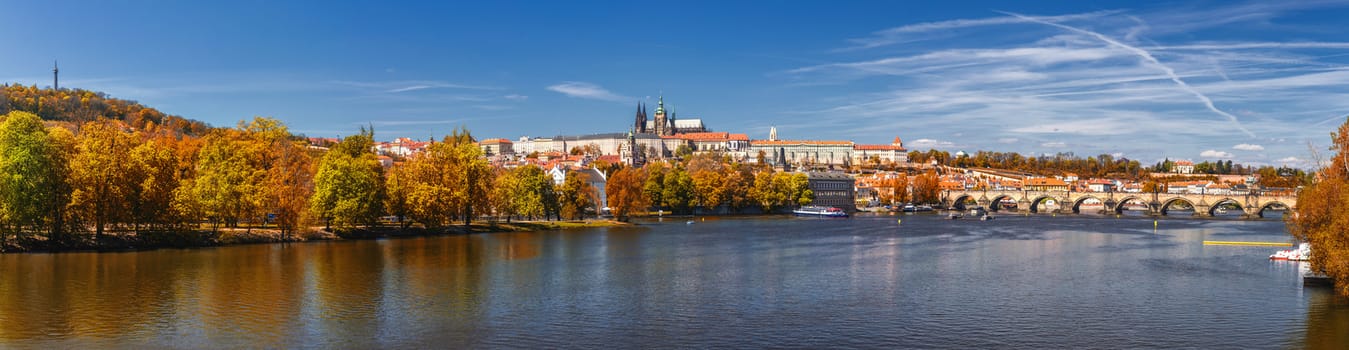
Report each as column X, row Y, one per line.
column 79, row 105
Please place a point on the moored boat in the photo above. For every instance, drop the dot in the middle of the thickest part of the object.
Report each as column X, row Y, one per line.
column 822, row 211
column 1302, row 253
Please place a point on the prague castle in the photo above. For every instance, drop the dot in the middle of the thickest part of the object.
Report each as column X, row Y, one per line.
column 663, row 124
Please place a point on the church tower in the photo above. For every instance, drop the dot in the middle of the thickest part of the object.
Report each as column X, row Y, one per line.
column 662, row 128
column 640, row 125
column 672, row 129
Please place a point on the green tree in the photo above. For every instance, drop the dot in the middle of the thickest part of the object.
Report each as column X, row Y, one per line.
column 654, row 186
column 348, row 187
column 533, row 194
column 28, row 165
column 677, row 191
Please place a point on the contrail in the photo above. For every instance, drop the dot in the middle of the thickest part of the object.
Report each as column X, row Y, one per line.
column 1147, row 56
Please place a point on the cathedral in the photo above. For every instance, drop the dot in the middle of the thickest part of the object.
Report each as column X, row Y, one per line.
column 664, row 124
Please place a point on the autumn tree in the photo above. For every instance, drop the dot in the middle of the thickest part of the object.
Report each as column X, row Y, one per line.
column 156, row 170
column 1321, row 211
column 895, row 189
column 576, row 195
column 708, row 187
column 927, row 188
column 738, row 180
column 449, row 180
column 224, row 179
column 102, row 175
column 765, row 194
column 291, row 183
column 398, row 186
column 624, row 191
column 504, row 187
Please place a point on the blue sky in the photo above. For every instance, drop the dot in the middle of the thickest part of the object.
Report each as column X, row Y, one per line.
column 1250, row 81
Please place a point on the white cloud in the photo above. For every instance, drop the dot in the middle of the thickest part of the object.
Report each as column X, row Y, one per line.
column 1248, row 147
column 1006, row 78
column 1215, row 154
column 907, row 33
column 1289, row 160
column 1147, row 56
column 1054, row 145
column 586, row 90
column 930, row 143
column 516, row 97
column 409, row 85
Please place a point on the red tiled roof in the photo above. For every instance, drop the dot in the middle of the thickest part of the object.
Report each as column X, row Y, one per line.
column 1045, row 181
column 739, row 137
column 704, row 136
column 800, row 142
column 1184, row 162
column 877, row 148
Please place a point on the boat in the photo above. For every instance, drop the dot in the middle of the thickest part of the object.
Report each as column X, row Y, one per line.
column 910, row 208
column 953, row 215
column 822, row 211
column 1302, row 253
column 986, row 217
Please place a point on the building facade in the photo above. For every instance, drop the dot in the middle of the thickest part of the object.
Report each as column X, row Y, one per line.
column 798, row 153
column 833, row 189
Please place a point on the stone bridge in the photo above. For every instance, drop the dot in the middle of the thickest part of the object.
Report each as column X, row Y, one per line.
column 1253, row 204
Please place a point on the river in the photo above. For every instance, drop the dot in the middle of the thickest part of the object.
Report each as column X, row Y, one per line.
column 1063, row 281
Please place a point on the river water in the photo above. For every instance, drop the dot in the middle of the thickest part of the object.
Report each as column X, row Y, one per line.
column 1061, row 281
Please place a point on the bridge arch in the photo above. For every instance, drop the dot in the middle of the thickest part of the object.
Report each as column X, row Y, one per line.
column 1077, row 203
column 1120, row 206
column 960, row 200
column 1166, row 204
column 1212, row 209
column 996, row 203
column 1261, row 207
column 1035, row 203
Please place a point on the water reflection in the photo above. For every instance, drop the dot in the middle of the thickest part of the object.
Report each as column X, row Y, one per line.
column 869, row 281
column 1327, row 320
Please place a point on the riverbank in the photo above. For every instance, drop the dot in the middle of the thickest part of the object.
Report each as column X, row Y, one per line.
column 226, row 237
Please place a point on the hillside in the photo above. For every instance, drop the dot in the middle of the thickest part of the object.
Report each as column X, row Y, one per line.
column 79, row 106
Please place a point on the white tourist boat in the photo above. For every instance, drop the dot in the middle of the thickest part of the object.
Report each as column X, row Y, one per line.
column 1302, row 253
column 822, row 211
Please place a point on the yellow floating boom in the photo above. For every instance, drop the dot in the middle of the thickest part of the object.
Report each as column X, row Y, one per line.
column 1271, row 244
